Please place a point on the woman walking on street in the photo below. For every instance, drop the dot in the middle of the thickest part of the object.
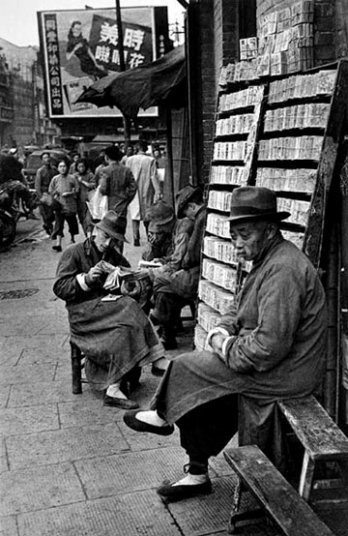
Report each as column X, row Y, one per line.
column 87, row 183
column 64, row 189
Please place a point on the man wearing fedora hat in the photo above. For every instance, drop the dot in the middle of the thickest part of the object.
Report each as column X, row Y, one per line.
column 161, row 219
column 115, row 336
column 174, row 286
column 272, row 347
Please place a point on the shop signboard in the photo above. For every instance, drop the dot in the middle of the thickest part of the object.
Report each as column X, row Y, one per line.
column 81, row 46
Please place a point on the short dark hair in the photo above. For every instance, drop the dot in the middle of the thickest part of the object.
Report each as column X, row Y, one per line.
column 43, row 154
column 113, row 152
column 142, row 144
column 82, row 161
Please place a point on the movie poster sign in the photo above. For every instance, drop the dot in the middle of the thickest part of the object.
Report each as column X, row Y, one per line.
column 81, row 47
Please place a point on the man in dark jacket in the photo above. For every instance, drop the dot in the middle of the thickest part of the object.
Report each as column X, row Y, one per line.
column 118, row 183
column 115, row 336
column 44, row 175
column 273, row 347
column 172, row 289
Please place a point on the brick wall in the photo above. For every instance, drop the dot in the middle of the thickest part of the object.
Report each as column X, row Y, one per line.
column 219, row 46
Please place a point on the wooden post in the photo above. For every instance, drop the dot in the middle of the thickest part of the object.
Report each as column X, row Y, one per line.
column 126, row 120
column 170, row 178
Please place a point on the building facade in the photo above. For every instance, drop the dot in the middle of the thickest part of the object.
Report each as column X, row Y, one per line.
column 23, row 118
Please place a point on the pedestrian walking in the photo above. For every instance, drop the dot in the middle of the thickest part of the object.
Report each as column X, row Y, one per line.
column 117, row 182
column 144, row 170
column 44, row 175
column 64, row 189
column 87, row 183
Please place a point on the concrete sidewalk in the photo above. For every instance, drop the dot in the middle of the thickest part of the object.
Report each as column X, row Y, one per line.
column 70, row 467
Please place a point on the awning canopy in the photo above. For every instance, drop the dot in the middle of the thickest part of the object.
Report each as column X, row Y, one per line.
column 162, row 82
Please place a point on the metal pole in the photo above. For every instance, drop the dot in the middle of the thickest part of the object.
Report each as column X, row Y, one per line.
column 126, row 120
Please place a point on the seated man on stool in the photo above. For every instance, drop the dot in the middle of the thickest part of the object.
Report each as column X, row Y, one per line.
column 273, row 347
column 115, row 336
column 178, row 281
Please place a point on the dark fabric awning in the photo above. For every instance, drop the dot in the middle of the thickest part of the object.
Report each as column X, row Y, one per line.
column 162, row 82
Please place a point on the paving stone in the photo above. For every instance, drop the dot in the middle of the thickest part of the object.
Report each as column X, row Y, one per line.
column 37, row 394
column 76, row 443
column 135, row 471
column 138, row 514
column 37, row 488
column 4, row 395
column 8, row 526
column 27, row 341
column 28, row 420
column 87, row 411
column 4, row 467
column 206, row 513
column 27, row 375
column 9, row 353
column 46, row 354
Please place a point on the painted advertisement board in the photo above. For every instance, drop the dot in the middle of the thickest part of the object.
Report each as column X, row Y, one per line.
column 81, row 46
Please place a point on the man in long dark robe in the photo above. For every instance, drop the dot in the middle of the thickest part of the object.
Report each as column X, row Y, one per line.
column 273, row 348
column 173, row 288
column 116, row 336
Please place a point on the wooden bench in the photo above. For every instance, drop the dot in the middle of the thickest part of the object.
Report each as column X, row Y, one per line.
column 323, row 442
column 276, row 496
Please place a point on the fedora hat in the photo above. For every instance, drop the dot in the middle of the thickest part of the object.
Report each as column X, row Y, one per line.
column 184, row 196
column 254, row 203
column 161, row 214
column 110, row 224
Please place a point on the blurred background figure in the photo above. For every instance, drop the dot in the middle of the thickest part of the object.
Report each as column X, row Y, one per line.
column 129, row 152
column 64, row 189
column 162, row 221
column 87, row 183
column 144, row 170
column 44, row 175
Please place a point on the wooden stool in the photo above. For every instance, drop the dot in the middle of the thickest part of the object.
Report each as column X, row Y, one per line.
column 129, row 382
column 323, row 442
column 275, row 495
column 76, row 366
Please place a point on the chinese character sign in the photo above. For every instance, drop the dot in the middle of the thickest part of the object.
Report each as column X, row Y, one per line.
column 53, row 70
column 137, row 43
column 82, row 46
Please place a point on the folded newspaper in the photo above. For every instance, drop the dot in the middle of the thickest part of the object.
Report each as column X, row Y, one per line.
column 119, row 274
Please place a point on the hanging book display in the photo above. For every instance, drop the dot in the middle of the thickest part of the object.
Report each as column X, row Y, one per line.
column 282, row 134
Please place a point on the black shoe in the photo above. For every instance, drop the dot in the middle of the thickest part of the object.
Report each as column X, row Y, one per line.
column 122, row 403
column 130, row 381
column 170, row 493
column 57, row 248
column 156, row 371
column 154, row 319
column 130, row 419
column 169, row 343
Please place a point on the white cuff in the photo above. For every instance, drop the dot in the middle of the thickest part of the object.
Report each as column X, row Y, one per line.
column 213, row 332
column 224, row 344
column 81, row 279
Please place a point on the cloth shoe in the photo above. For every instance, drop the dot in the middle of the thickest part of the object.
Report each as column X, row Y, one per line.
column 122, row 403
column 116, row 398
column 130, row 419
column 190, row 487
column 57, row 248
